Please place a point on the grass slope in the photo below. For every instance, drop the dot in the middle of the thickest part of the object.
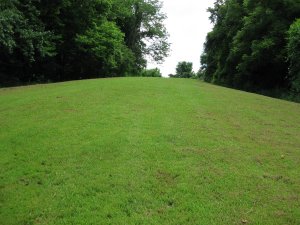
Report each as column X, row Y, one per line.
column 147, row 151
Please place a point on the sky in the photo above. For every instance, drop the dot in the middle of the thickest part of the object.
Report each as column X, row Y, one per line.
column 187, row 25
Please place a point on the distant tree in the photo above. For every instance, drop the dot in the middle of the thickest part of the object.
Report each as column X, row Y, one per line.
column 184, row 70
column 151, row 73
column 294, row 56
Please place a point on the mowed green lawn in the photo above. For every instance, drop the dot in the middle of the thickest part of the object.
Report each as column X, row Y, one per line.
column 147, row 151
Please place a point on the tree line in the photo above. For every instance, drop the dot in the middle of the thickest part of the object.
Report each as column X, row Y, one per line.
column 59, row 40
column 254, row 46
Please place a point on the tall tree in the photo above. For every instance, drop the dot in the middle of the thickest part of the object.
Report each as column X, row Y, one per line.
column 184, row 70
column 217, row 61
column 145, row 33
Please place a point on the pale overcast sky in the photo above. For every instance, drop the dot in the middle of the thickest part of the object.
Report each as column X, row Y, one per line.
column 187, row 24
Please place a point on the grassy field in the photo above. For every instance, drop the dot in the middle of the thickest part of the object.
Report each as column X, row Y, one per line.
column 147, row 151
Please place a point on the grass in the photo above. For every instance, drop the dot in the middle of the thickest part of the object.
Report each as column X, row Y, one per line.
column 147, row 151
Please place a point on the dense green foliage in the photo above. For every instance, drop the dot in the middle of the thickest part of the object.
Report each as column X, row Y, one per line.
column 294, row 56
column 43, row 40
column 147, row 151
column 183, row 70
column 247, row 47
